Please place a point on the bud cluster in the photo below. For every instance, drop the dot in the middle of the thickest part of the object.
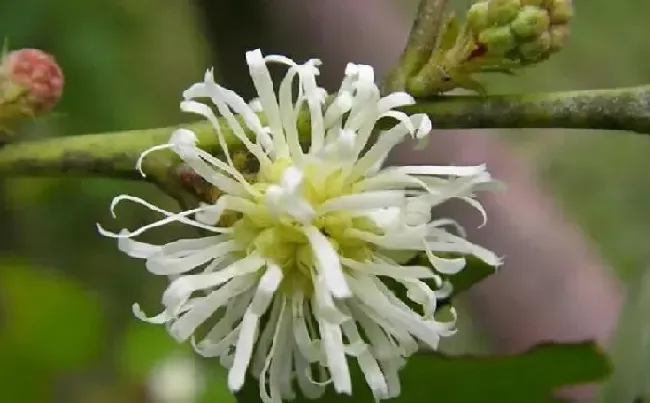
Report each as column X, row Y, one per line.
column 526, row 31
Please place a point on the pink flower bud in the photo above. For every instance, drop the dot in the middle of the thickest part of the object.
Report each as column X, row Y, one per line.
column 36, row 73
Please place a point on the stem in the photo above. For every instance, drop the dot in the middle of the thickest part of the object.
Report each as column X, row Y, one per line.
column 614, row 109
column 114, row 155
column 107, row 155
column 420, row 44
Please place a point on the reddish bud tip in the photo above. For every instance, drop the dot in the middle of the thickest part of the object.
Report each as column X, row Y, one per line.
column 38, row 73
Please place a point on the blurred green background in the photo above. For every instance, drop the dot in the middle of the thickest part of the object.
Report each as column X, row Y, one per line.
column 66, row 329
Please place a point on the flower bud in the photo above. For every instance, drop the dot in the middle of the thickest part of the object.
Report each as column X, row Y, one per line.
column 559, row 37
column 536, row 49
column 477, row 17
column 501, row 12
column 498, row 40
column 530, row 22
column 35, row 76
column 561, row 11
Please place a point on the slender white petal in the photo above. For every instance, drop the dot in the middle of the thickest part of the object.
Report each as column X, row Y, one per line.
column 186, row 324
column 268, row 285
column 180, row 290
column 441, row 170
column 139, row 250
column 394, row 271
column 264, row 86
column 328, row 263
column 367, row 362
column 335, row 356
column 364, row 201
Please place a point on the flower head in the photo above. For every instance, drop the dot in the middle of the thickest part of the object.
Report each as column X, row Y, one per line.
column 303, row 261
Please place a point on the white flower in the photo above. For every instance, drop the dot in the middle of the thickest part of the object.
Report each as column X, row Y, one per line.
column 176, row 379
column 299, row 282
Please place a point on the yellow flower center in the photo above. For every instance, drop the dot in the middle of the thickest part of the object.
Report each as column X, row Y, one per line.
column 280, row 238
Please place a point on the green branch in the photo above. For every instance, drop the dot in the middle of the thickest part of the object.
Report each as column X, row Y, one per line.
column 420, row 44
column 114, row 155
column 616, row 109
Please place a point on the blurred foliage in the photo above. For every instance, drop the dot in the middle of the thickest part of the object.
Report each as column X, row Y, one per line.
column 66, row 329
column 526, row 377
column 53, row 322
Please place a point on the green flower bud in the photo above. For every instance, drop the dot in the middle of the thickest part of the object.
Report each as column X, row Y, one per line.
column 530, row 22
column 498, row 40
column 501, row 12
column 536, row 49
column 559, row 37
column 477, row 17
column 561, row 11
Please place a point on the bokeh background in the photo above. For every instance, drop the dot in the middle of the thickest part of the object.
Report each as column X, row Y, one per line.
column 66, row 329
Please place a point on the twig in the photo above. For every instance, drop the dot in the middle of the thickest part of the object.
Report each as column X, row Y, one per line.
column 420, row 44
column 114, row 155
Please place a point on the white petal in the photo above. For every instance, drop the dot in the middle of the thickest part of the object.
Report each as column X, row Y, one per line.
column 311, row 390
column 394, row 100
column 180, row 290
column 420, row 293
column 367, row 362
column 450, row 170
column 402, row 343
column 243, row 351
column 327, row 262
column 282, row 367
column 273, row 396
column 387, row 219
column 255, row 105
column 139, row 250
column 335, row 355
column 185, row 326
column 170, row 217
column 323, row 305
column 340, row 106
column 161, row 318
column 445, row 266
column 145, row 153
column 382, row 346
column 478, row 206
column 394, row 271
column 410, row 238
column 265, row 341
column 177, row 265
column 422, row 124
column 264, row 86
column 387, row 140
column 364, row 201
column 224, row 100
column 289, row 114
column 390, row 368
column 192, row 156
column 313, row 96
column 308, row 348
column 206, row 111
column 395, row 311
column 268, row 285
column 463, row 245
